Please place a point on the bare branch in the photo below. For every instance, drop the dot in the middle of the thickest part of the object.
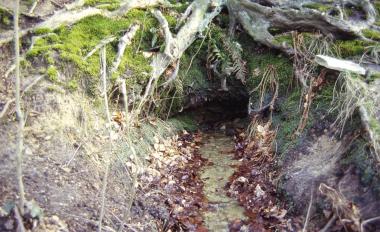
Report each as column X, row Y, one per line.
column 33, row 7
column 169, row 42
column 185, row 15
column 344, row 65
column 20, row 115
column 123, row 43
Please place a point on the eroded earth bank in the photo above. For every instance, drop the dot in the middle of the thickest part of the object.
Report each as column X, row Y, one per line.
column 204, row 115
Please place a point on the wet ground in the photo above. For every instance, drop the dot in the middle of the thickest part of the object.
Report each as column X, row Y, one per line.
column 218, row 149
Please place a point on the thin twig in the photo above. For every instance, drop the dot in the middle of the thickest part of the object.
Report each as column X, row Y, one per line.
column 308, row 211
column 19, row 113
column 73, row 156
column 125, row 99
column 329, row 223
column 33, row 7
column 362, row 226
column 103, row 61
column 104, row 188
column 104, row 79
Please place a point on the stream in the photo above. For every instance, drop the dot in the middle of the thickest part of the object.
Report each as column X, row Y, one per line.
column 218, row 149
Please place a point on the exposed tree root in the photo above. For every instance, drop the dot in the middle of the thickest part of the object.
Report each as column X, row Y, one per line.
column 195, row 25
column 257, row 18
column 354, row 94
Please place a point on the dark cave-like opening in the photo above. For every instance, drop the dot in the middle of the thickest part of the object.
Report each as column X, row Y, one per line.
column 213, row 109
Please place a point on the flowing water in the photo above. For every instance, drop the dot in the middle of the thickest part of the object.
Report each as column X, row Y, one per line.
column 218, row 149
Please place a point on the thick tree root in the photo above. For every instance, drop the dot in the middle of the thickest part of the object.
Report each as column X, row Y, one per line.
column 257, row 18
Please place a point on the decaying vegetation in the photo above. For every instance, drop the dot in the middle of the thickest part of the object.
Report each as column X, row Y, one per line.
column 97, row 83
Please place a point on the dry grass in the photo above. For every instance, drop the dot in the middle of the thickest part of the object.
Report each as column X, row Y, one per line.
column 306, row 70
column 350, row 92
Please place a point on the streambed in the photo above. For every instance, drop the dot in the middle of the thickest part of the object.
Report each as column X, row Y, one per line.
column 218, row 149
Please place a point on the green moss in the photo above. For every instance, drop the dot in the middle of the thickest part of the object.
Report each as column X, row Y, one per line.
column 72, row 85
column 183, row 122
column 257, row 63
column 318, row 6
column 323, row 98
column 54, row 88
column 360, row 157
column 73, row 43
column 350, row 48
column 375, row 125
column 287, row 120
column 5, row 20
column 371, row 34
column 172, row 21
column 52, row 73
column 42, row 31
column 194, row 73
column 104, row 4
column 49, row 58
column 5, row 17
column 283, row 38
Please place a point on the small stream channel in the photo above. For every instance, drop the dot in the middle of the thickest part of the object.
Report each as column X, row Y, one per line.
column 223, row 113
column 218, row 150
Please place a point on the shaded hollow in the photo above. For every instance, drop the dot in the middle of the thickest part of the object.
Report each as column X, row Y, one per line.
column 212, row 107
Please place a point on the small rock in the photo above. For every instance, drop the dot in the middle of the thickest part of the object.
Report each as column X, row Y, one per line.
column 28, row 151
column 9, row 224
column 178, row 209
column 259, row 192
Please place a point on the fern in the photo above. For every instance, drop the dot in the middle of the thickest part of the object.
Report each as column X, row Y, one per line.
column 238, row 64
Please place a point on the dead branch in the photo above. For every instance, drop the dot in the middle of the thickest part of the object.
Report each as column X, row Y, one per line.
column 308, row 211
column 169, row 42
column 342, row 207
column 256, row 18
column 340, row 65
column 33, row 7
column 197, row 22
column 19, row 113
column 185, row 15
column 123, row 43
column 103, row 62
column 326, row 228
column 368, row 221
